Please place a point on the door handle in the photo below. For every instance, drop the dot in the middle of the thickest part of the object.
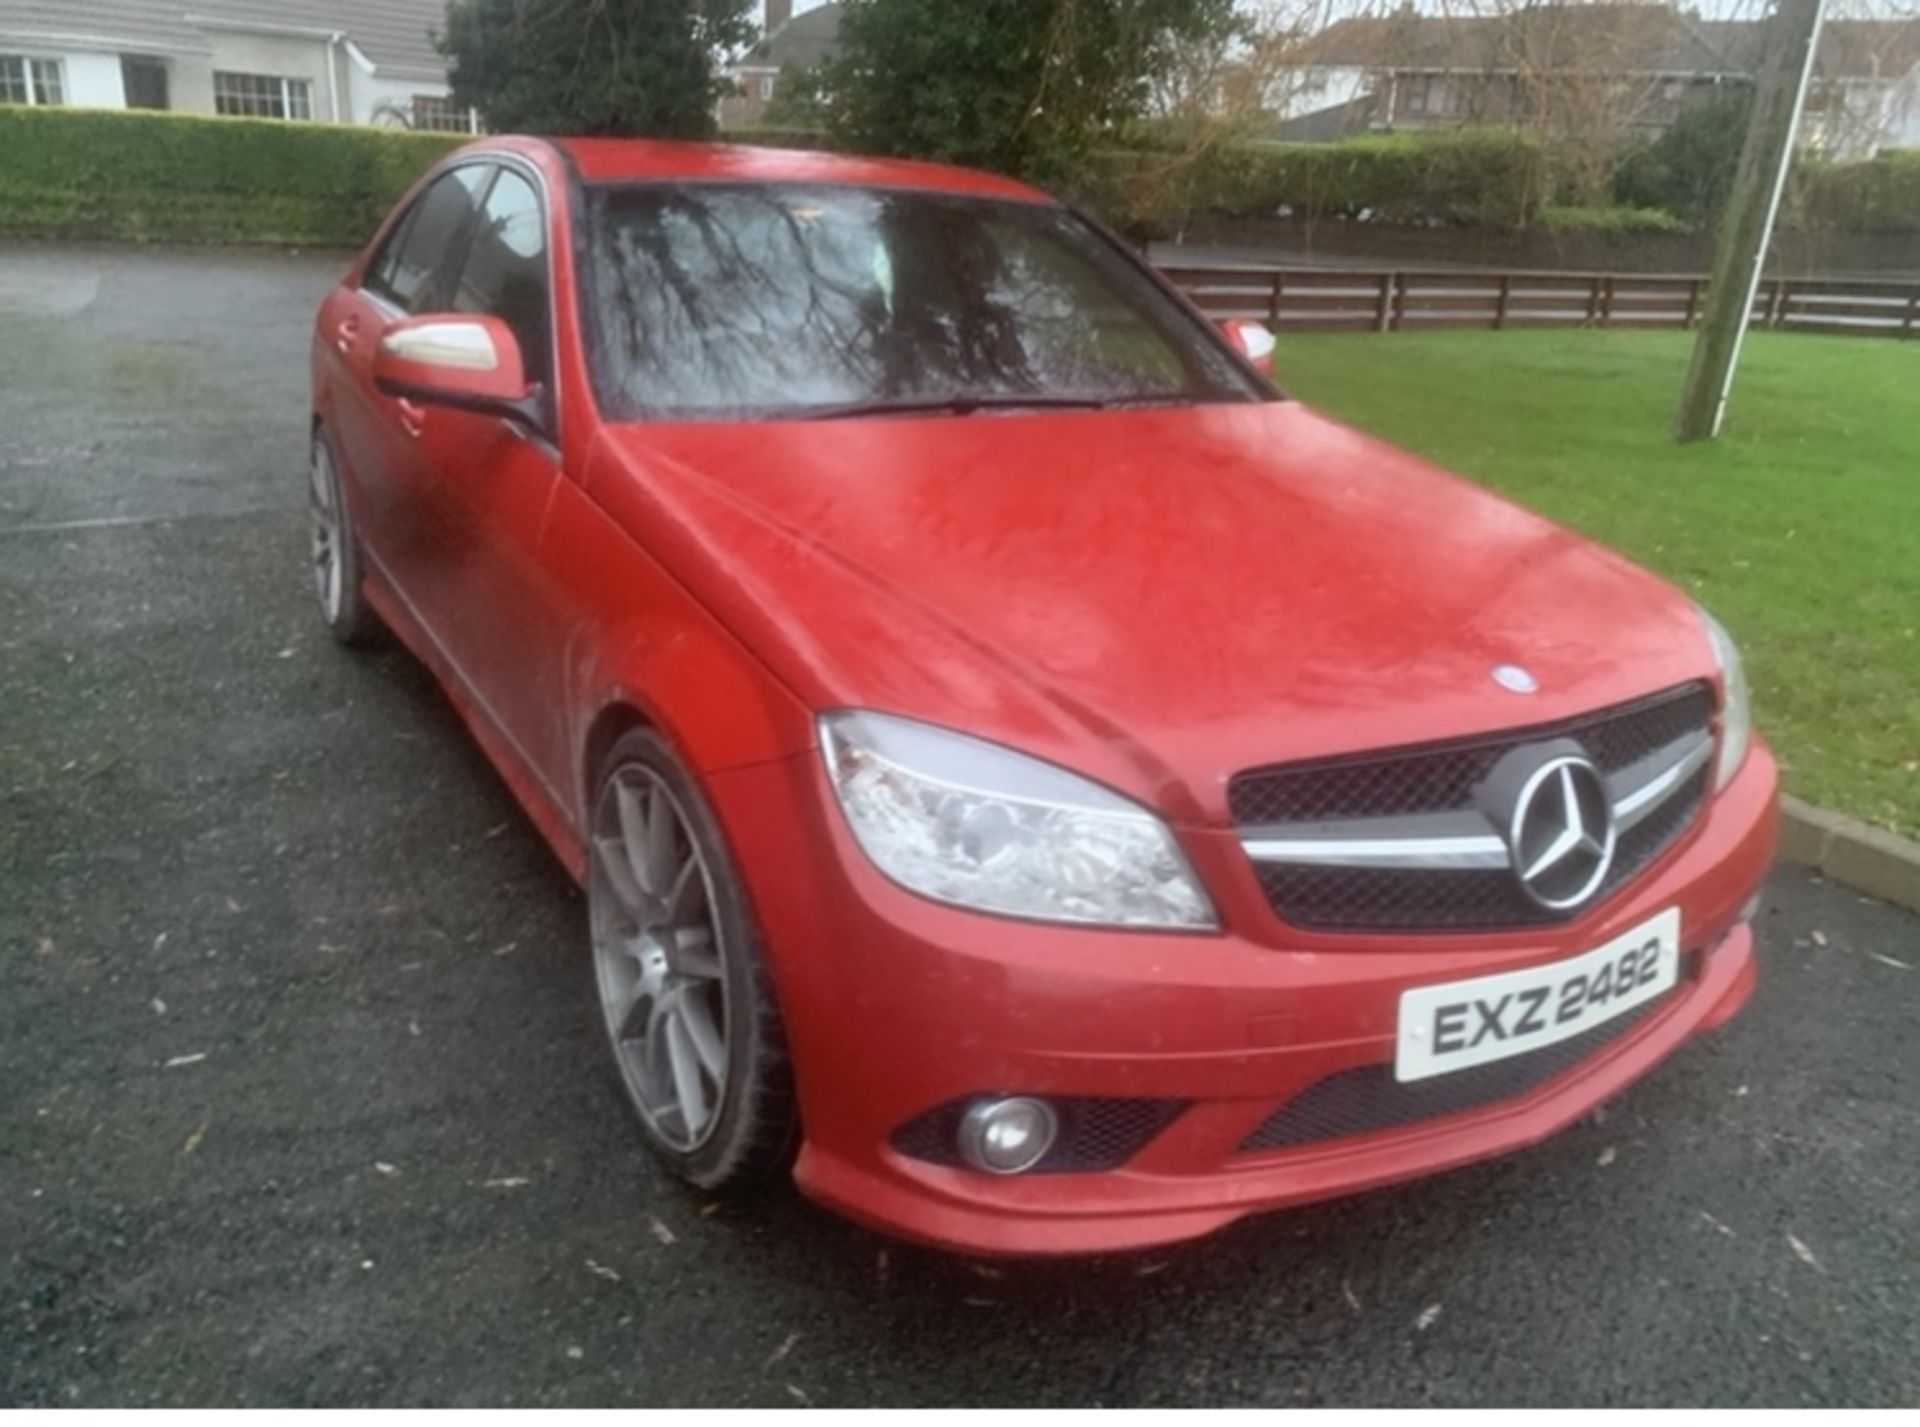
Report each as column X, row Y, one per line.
column 346, row 334
column 413, row 416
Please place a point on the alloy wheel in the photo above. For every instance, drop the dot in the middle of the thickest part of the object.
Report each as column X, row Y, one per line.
column 659, row 957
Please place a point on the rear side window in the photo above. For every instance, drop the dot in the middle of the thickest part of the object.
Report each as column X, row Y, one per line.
column 505, row 273
column 403, row 270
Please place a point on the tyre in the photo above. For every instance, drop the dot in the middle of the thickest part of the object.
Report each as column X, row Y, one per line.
column 335, row 552
column 681, row 981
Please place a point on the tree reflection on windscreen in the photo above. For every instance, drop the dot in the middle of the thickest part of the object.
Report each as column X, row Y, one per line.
column 715, row 300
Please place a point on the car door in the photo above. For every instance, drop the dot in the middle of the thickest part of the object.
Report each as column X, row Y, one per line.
column 485, row 486
column 374, row 432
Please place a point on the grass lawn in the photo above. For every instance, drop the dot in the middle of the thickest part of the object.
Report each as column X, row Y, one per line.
column 1799, row 527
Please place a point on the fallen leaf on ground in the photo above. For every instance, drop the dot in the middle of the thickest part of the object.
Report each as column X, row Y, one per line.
column 385, row 1168
column 1819, row 938
column 511, row 1182
column 600, row 1270
column 159, row 1007
column 1718, row 1225
column 661, row 1231
column 799, row 1396
column 1606, row 1156
column 1889, row 961
column 45, row 947
column 1802, row 1252
column 193, row 1059
column 193, row 1140
column 1346, row 1292
column 1427, row 1317
column 780, row 1352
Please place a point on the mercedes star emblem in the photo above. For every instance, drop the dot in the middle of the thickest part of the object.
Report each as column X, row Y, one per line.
column 1515, row 679
column 1562, row 833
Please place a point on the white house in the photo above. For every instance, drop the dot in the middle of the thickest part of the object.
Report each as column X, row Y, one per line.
column 1642, row 64
column 332, row 61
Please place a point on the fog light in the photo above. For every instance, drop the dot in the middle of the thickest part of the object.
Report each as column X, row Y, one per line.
column 1007, row 1136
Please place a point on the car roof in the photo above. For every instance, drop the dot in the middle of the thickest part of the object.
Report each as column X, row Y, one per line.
column 643, row 160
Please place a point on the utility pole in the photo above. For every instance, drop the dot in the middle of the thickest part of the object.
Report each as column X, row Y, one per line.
column 1746, row 224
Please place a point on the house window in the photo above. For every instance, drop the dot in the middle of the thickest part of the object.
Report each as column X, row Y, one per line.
column 31, row 81
column 441, row 114
column 1432, row 95
column 144, row 81
column 766, row 87
column 262, row 96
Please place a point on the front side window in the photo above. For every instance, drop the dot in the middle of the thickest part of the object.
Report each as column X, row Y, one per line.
column 261, row 96
column 415, row 251
column 505, row 273
column 32, row 81
column 718, row 300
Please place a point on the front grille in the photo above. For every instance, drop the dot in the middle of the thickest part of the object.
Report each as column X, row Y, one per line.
column 1095, row 1133
column 1443, row 778
column 1368, row 1098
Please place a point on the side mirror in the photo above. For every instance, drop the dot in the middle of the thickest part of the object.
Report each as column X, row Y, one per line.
column 1254, row 339
column 463, row 360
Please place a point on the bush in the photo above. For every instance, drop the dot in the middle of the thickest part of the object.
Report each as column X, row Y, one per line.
column 1688, row 170
column 79, row 173
column 1022, row 86
column 1469, row 177
column 1881, row 195
column 1614, row 219
column 782, row 136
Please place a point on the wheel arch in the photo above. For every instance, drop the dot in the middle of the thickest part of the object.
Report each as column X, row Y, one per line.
column 614, row 721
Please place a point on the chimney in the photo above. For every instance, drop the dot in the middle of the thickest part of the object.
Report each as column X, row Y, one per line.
column 778, row 13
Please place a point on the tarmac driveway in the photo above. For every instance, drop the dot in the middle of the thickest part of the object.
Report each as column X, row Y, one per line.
column 302, row 1099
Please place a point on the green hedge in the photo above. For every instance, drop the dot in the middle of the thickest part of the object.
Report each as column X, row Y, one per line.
column 77, row 173
column 1477, row 177
column 1881, row 195
column 101, row 173
column 1615, row 218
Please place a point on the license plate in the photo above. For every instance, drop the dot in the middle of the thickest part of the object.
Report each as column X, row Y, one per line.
column 1462, row 1023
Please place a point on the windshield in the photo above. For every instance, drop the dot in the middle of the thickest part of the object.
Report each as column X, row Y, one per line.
column 710, row 301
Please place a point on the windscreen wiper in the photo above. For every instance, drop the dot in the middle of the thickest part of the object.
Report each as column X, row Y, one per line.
column 950, row 405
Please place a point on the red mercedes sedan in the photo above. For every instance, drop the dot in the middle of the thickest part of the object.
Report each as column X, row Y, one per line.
column 1033, row 782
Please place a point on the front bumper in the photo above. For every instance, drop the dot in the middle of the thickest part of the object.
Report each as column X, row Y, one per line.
column 894, row 1005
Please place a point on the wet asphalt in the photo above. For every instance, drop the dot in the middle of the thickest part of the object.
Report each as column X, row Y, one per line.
column 302, row 1100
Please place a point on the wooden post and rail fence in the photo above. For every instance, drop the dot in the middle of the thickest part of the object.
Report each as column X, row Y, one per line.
column 1408, row 299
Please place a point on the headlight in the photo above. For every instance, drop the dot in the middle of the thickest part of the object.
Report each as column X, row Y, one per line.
column 969, row 822
column 1736, row 714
